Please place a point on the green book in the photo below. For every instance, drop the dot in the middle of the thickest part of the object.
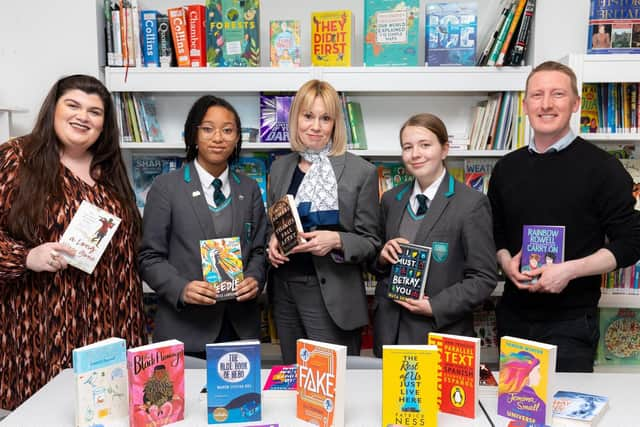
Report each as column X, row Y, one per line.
column 358, row 136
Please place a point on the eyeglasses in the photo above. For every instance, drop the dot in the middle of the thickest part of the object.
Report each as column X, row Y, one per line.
column 227, row 133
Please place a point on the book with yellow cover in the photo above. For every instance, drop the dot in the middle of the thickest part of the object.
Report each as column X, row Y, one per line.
column 332, row 38
column 410, row 385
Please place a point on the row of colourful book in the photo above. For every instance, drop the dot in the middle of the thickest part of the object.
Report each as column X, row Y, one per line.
column 610, row 108
column 498, row 123
column 137, row 118
column 624, row 281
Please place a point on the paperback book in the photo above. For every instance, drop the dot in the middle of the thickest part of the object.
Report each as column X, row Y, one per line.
column 589, row 108
column 541, row 245
column 286, row 223
column 573, row 409
column 145, row 169
column 233, row 33
column 233, row 382
column 408, row 277
column 274, row 117
column 222, row 265
column 619, row 342
column 332, row 38
column 282, row 378
column 391, row 32
column 614, row 27
column 450, row 34
column 284, row 41
column 477, row 173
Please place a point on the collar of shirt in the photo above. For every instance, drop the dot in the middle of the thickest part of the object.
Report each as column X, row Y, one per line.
column 430, row 191
column 206, row 179
column 559, row 145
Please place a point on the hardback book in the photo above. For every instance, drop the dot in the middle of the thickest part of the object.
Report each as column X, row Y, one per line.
column 196, row 19
column 89, row 233
column 408, row 278
column 450, row 34
column 391, row 32
column 410, row 385
column 574, row 409
column 356, row 126
column 322, row 371
column 165, row 42
column 180, row 35
column 233, row 33
column 145, row 168
column 149, row 38
column 614, row 27
column 284, row 43
column 222, row 265
column 541, row 245
column 458, row 373
column 101, row 383
column 525, row 384
column 233, row 382
column 156, row 383
column 274, row 117
column 619, row 342
column 282, row 378
column 286, row 223
column 589, row 108
column 332, row 35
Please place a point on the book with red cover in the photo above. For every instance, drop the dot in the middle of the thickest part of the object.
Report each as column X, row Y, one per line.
column 197, row 18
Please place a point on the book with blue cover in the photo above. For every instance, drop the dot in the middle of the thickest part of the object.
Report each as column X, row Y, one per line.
column 571, row 408
column 450, row 34
column 233, row 382
column 391, row 32
column 145, row 168
column 541, row 245
column 614, row 27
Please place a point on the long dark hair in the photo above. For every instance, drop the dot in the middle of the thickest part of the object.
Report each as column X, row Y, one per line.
column 38, row 173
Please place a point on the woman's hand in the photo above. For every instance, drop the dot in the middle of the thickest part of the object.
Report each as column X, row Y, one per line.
column 199, row 292
column 48, row 257
column 391, row 250
column 275, row 255
column 247, row 289
column 319, row 242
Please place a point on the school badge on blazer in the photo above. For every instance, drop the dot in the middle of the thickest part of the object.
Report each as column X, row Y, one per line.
column 439, row 251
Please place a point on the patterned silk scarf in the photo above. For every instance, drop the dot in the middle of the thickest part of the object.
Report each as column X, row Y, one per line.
column 317, row 197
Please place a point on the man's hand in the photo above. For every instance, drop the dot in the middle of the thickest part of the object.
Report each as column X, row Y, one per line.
column 511, row 268
column 199, row 292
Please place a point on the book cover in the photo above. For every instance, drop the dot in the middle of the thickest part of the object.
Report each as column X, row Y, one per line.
column 619, row 342
column 589, row 108
column 541, row 245
column 233, row 33
column 145, row 168
column 255, row 168
column 196, row 19
column 156, row 384
column 356, row 125
column 282, row 377
column 286, row 223
column 572, row 408
column 410, row 385
column 89, row 233
column 149, row 36
column 152, row 127
column 477, row 173
column 233, row 382
column 222, row 265
column 458, row 373
column 180, row 35
column 525, row 384
column 284, row 43
column 165, row 43
column 321, row 379
column 391, row 32
column 614, row 27
column 450, row 33
column 101, row 383
column 408, row 277
column 332, row 38
column 274, row 117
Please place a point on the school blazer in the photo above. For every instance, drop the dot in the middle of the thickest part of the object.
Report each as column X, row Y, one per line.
column 176, row 218
column 463, row 269
column 340, row 275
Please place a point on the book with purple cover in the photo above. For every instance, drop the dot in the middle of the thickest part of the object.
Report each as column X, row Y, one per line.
column 541, row 245
column 274, row 117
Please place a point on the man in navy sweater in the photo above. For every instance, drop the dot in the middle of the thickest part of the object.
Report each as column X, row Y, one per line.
column 560, row 179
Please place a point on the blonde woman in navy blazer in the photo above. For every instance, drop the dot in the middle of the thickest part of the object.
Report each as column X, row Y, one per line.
column 456, row 225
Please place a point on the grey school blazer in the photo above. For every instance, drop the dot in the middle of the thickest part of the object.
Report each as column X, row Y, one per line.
column 463, row 268
column 341, row 279
column 176, row 218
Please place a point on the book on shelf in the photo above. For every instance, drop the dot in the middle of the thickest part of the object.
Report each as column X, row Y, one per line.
column 458, row 373
column 619, row 342
column 156, row 383
column 149, row 39
column 589, row 108
column 518, row 47
column 101, row 383
column 284, row 43
column 450, row 33
column 575, row 409
column 281, row 378
column 165, row 42
column 274, row 116
column 356, row 126
column 286, row 223
column 233, row 33
column 332, row 34
column 196, row 23
column 541, row 245
column 180, row 35
column 391, row 32
column 614, row 27
column 477, row 173
column 493, row 36
column 502, row 52
column 410, row 385
column 89, row 234
column 322, row 370
column 408, row 278
column 222, row 265
column 145, row 168
column 525, row 384
column 390, row 175
column 233, row 382
column 255, row 168
column 502, row 34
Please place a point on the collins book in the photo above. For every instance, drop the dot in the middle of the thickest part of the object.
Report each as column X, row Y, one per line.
column 408, row 277
column 222, row 265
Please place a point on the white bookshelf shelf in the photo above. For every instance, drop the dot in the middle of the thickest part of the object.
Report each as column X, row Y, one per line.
column 620, row 300
column 612, row 137
column 611, row 68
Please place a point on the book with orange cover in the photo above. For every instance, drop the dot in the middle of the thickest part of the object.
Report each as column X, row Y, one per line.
column 179, row 31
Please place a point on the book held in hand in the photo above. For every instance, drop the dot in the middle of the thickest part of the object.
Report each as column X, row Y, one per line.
column 89, row 233
column 541, row 245
column 573, row 409
column 408, row 277
column 222, row 265
column 286, row 223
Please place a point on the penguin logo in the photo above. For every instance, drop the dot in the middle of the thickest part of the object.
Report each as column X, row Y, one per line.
column 458, row 398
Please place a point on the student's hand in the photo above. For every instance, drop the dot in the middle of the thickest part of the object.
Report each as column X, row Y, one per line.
column 275, row 255
column 415, row 306
column 391, row 250
column 319, row 242
column 199, row 292
column 247, row 289
column 48, row 257
column 511, row 268
column 553, row 278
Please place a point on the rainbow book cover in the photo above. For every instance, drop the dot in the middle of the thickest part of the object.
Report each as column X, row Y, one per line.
column 222, row 265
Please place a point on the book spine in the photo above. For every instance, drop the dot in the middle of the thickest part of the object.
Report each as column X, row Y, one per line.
column 165, row 49
column 197, row 50
column 135, row 24
column 117, row 38
column 495, row 51
column 345, row 113
column 178, row 24
column 149, row 20
column 517, row 54
column 108, row 32
column 512, row 29
column 492, row 38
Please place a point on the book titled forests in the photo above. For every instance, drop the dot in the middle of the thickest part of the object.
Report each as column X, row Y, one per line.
column 286, row 223
column 322, row 370
column 410, row 385
column 541, row 245
column 233, row 382
column 573, row 409
column 233, row 33
column 614, row 27
column 450, row 33
column 408, row 277
column 331, row 38
column 458, row 373
column 391, row 32
column 156, row 384
column 222, row 265
column 101, row 385
column 89, row 233
column 527, row 370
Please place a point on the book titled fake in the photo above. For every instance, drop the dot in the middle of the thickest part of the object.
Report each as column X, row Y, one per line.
column 156, row 384
column 331, row 38
column 541, row 245
column 222, row 265
column 573, row 409
column 286, row 223
column 410, row 385
column 281, row 378
column 233, row 382
column 274, row 117
column 322, row 370
column 408, row 277
column 525, row 384
column 89, row 233
column 101, row 383
column 458, row 373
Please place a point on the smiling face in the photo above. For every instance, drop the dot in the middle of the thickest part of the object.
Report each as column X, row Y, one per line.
column 315, row 126
column 217, row 138
column 423, row 154
column 78, row 120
